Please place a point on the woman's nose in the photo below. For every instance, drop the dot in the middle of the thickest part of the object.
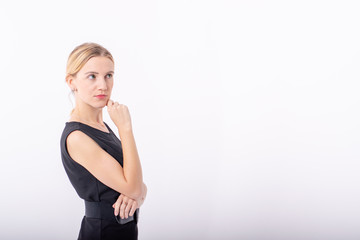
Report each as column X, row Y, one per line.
column 102, row 83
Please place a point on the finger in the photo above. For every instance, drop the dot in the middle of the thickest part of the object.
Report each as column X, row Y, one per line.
column 116, row 208
column 122, row 209
column 123, row 203
column 117, row 205
column 128, row 208
column 126, row 199
column 133, row 208
column 109, row 102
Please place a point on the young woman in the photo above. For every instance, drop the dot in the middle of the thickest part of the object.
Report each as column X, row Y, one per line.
column 104, row 171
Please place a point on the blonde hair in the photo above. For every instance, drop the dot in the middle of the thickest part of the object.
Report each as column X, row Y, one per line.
column 81, row 54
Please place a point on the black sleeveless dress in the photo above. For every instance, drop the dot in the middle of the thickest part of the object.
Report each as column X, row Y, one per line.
column 91, row 189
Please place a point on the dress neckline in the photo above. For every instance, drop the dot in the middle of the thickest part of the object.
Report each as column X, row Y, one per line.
column 93, row 127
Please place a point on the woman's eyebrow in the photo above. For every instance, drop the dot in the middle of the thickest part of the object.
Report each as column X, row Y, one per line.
column 98, row 73
column 92, row 72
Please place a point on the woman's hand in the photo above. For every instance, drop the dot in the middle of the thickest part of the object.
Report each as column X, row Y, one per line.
column 125, row 206
column 119, row 114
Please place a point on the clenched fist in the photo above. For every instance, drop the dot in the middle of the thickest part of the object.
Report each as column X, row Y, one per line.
column 119, row 114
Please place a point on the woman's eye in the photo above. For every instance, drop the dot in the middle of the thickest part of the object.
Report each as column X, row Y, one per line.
column 109, row 75
column 92, row 76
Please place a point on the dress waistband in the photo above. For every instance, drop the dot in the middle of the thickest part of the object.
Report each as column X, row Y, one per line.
column 105, row 211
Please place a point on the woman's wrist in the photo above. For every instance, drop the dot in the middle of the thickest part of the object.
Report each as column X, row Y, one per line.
column 124, row 129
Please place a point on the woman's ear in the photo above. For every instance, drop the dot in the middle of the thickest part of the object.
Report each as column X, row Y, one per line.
column 70, row 80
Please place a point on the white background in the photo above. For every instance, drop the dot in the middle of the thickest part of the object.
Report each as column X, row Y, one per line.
column 245, row 114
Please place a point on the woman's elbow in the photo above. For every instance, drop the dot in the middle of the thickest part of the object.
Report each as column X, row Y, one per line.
column 135, row 192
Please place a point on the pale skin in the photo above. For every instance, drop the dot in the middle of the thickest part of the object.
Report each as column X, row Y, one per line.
column 94, row 78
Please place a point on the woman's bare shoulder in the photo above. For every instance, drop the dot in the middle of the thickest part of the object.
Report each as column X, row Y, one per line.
column 82, row 148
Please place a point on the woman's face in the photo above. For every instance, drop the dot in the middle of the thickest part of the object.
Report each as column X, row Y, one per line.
column 95, row 78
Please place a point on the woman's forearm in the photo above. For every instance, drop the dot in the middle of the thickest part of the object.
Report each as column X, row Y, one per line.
column 131, row 161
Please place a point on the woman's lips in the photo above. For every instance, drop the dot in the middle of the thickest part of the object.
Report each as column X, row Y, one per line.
column 100, row 96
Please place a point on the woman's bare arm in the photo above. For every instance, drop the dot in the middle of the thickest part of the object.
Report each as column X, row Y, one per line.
column 141, row 199
column 84, row 150
column 126, row 206
column 104, row 167
column 131, row 163
column 120, row 115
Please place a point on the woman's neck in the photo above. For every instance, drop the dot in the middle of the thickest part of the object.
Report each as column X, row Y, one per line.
column 89, row 116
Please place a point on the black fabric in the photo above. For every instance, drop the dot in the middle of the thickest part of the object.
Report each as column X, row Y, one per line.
column 106, row 211
column 91, row 189
column 95, row 229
